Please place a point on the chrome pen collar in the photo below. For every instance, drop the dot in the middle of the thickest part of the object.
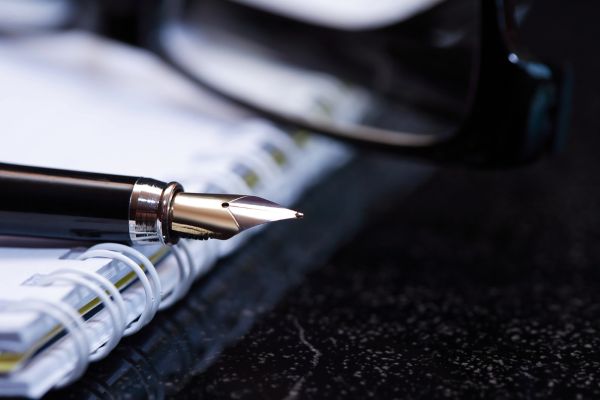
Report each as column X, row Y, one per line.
column 149, row 211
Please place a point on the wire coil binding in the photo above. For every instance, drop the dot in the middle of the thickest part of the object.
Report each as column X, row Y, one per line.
column 107, row 293
column 70, row 320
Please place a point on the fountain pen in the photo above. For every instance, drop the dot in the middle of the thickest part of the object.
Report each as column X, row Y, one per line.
column 64, row 204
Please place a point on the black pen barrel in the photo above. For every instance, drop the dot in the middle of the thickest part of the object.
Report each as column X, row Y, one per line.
column 44, row 202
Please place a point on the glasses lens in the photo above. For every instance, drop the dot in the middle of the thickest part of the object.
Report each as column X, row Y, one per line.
column 388, row 65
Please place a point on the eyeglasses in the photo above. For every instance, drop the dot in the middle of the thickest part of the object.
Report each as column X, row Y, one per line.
column 446, row 81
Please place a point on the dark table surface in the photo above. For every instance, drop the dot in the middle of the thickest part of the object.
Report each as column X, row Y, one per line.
column 477, row 284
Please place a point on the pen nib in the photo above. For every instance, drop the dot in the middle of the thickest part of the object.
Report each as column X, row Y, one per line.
column 223, row 216
column 250, row 211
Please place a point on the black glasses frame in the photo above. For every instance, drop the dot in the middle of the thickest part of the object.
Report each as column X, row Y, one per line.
column 518, row 107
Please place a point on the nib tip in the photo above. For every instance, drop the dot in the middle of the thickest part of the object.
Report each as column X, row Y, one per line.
column 299, row 215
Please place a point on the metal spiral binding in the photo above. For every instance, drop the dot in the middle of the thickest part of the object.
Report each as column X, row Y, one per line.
column 117, row 318
column 133, row 258
column 70, row 319
column 110, row 296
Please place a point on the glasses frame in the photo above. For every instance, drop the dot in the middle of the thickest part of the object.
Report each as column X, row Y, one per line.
column 518, row 107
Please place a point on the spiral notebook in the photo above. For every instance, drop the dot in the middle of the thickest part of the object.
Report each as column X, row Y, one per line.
column 97, row 106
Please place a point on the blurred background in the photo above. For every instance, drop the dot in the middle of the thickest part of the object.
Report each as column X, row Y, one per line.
column 426, row 280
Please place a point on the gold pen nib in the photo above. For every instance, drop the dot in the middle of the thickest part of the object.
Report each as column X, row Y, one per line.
column 208, row 216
